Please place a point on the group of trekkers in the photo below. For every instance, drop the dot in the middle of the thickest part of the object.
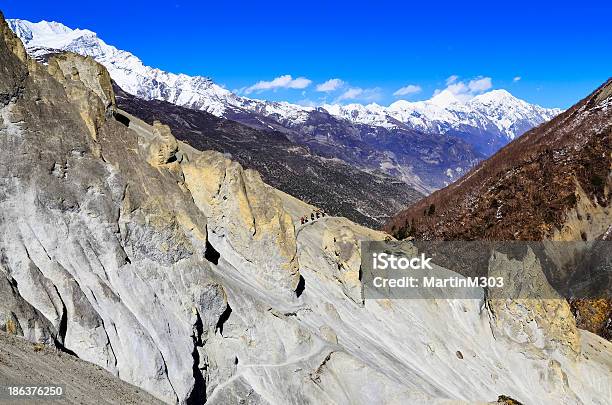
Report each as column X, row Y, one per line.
column 313, row 215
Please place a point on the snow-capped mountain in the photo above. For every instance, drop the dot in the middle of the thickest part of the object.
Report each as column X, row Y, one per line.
column 199, row 92
column 496, row 112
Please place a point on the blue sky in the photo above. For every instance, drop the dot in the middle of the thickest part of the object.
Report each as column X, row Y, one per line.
column 552, row 55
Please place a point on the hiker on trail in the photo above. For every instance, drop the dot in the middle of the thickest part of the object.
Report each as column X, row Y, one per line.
column 302, row 220
column 317, row 214
column 312, row 216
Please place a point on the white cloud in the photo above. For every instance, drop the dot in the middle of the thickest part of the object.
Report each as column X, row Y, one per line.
column 480, row 85
column 451, row 79
column 516, row 79
column 407, row 90
column 281, row 82
column 357, row 93
column 466, row 90
column 350, row 94
column 330, row 85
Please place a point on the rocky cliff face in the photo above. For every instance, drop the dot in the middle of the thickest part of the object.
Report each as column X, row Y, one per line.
column 184, row 274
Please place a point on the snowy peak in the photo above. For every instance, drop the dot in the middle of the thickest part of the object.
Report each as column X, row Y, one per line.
column 44, row 29
column 509, row 114
column 444, row 99
column 499, row 99
column 128, row 71
column 495, row 96
column 47, row 34
column 371, row 114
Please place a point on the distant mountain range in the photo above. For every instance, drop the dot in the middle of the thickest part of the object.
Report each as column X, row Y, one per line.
column 426, row 144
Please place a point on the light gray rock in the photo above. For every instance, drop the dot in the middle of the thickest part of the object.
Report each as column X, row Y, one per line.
column 18, row 317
